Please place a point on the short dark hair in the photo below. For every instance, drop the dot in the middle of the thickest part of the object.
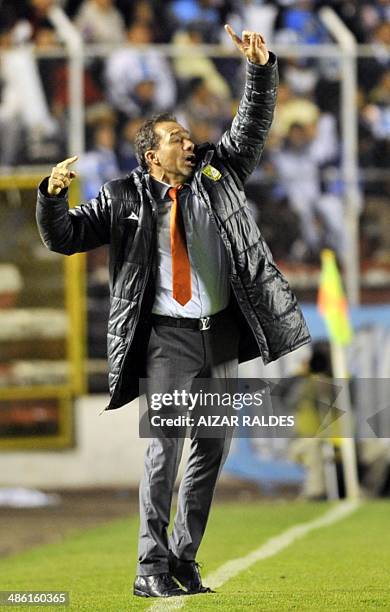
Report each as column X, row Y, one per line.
column 146, row 137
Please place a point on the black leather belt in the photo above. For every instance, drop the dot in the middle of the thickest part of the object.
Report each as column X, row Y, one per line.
column 202, row 324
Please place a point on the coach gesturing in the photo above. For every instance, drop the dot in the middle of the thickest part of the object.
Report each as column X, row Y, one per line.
column 194, row 291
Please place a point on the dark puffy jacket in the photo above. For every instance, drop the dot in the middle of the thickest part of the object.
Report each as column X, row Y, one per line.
column 124, row 216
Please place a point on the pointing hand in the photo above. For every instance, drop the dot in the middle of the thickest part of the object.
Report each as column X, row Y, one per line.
column 252, row 45
column 61, row 176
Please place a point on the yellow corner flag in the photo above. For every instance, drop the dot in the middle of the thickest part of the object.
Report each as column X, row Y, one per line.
column 332, row 303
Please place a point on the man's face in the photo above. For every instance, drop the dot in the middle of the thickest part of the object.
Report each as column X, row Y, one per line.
column 297, row 137
column 175, row 152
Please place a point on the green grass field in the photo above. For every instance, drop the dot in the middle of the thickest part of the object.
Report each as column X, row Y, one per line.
column 344, row 566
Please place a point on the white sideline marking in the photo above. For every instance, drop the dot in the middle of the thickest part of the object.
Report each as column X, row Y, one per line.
column 270, row 548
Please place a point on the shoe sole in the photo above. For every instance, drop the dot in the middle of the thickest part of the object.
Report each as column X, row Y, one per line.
column 139, row 593
column 189, row 592
column 199, row 592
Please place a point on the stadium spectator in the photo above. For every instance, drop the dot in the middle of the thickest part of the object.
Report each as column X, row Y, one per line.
column 310, row 394
column 152, row 13
column 10, row 127
column 26, row 18
column 23, row 106
column 374, row 461
column 290, row 109
column 188, row 66
column 99, row 21
column 37, row 13
column 138, row 81
column 202, row 13
column 374, row 135
column 377, row 114
column 202, row 104
column 362, row 17
column 297, row 166
column 203, row 130
column 371, row 69
column 301, row 76
column 381, row 93
column 141, row 12
column 126, row 152
column 45, row 39
column 55, row 80
column 100, row 164
column 300, row 20
column 258, row 14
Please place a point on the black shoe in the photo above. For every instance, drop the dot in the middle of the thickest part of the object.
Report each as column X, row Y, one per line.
column 158, row 585
column 188, row 574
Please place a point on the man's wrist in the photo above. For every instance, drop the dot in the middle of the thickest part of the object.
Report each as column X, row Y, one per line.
column 271, row 61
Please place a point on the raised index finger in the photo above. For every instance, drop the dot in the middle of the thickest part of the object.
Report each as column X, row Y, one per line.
column 66, row 162
column 236, row 39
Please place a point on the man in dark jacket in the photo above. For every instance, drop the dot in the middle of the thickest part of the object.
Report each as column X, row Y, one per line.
column 194, row 291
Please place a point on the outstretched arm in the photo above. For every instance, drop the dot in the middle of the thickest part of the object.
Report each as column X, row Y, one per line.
column 73, row 230
column 242, row 144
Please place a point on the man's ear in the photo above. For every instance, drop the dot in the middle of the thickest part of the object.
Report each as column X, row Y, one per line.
column 152, row 157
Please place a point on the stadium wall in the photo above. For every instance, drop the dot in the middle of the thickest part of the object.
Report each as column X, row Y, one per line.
column 107, row 453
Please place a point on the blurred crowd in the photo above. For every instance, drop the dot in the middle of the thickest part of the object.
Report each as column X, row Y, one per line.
column 299, row 176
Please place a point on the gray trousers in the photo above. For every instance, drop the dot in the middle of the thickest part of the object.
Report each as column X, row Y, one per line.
column 176, row 356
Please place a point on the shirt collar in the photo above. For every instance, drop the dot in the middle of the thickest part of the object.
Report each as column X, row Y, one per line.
column 158, row 188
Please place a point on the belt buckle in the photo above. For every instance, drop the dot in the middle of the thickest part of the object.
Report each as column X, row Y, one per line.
column 204, row 323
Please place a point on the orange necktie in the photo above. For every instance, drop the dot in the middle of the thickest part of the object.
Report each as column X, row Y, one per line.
column 181, row 268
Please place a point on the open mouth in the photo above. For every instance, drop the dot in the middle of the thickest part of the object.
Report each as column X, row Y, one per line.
column 190, row 160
